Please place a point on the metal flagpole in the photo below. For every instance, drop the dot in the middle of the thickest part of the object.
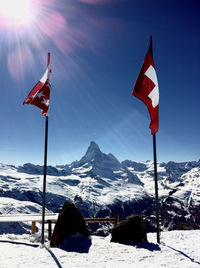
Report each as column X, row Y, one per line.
column 156, row 189
column 155, row 172
column 45, row 167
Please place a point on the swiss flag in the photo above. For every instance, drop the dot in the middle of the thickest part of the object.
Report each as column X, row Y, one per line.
column 40, row 94
column 146, row 89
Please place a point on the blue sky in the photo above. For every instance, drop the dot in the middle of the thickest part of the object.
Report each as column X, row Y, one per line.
column 97, row 48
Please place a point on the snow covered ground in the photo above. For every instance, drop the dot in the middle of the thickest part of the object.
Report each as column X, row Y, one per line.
column 177, row 249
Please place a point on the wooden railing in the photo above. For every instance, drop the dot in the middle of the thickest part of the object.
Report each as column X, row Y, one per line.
column 50, row 218
column 114, row 220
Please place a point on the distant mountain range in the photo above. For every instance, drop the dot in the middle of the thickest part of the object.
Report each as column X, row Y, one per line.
column 101, row 186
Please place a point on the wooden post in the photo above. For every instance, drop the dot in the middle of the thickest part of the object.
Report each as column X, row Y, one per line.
column 116, row 220
column 33, row 227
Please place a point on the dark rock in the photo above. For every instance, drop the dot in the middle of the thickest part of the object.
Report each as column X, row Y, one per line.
column 132, row 229
column 70, row 222
column 76, row 243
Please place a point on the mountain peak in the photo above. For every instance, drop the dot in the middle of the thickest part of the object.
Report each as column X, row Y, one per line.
column 92, row 151
column 93, row 145
column 98, row 159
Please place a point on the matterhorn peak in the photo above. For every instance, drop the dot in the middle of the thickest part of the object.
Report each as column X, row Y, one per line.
column 92, row 151
column 93, row 145
column 98, row 159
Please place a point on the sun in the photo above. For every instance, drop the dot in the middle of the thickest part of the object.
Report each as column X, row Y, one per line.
column 16, row 13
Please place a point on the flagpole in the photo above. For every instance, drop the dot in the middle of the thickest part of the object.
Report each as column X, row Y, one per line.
column 45, row 166
column 155, row 171
column 156, row 189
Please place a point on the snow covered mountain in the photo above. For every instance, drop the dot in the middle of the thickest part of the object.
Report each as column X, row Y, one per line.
column 101, row 186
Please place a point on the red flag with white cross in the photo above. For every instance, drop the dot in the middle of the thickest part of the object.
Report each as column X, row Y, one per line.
column 40, row 94
column 146, row 89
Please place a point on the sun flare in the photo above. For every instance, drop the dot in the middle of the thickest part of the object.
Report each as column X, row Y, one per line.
column 16, row 13
column 27, row 26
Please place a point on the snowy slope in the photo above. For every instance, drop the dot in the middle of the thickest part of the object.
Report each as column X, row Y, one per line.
column 101, row 186
column 177, row 249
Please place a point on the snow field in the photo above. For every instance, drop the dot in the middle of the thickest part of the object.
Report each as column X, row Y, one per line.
column 177, row 249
